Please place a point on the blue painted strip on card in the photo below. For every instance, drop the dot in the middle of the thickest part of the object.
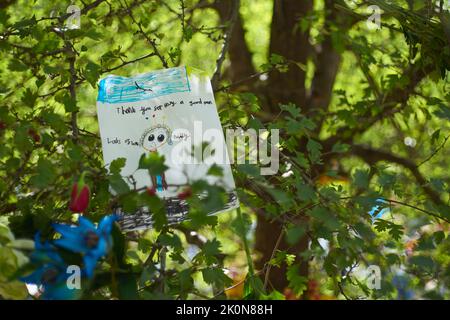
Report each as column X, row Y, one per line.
column 116, row 89
column 159, row 184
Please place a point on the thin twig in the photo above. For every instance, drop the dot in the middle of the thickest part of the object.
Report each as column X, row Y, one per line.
column 152, row 42
column 435, row 152
column 237, row 284
column 72, row 91
column 225, row 88
column 341, row 289
column 151, row 54
column 275, row 248
column 419, row 209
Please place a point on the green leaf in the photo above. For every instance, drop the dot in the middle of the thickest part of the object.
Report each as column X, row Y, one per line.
column 291, row 108
column 425, row 243
column 293, row 126
column 129, row 201
column 74, row 151
column 325, row 217
column 158, row 212
column 393, row 259
column 295, row 233
column 314, row 148
column 253, row 288
column 387, row 180
column 340, row 147
column 438, row 237
column 255, row 123
column 22, row 244
column 297, row 283
column 117, row 165
column 305, row 192
column 9, row 263
column 119, row 246
column 17, row 65
column 361, row 179
column 283, row 198
column 45, row 174
column 282, row 257
column 364, row 231
column 174, row 53
column 127, row 286
column 144, row 245
column 118, row 184
column 443, row 112
column 16, row 290
column 276, row 59
column 395, row 230
column 215, row 171
column 199, row 218
column 29, row 98
column 5, row 234
column 54, row 120
column 423, row 262
column 92, row 73
column 188, row 32
column 306, row 123
column 185, row 280
column 170, row 240
column 211, row 247
column 153, row 162
column 241, row 224
column 249, row 169
column 92, row 33
column 70, row 105
column 216, row 276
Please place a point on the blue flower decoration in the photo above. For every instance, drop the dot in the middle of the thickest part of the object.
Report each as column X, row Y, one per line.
column 378, row 210
column 91, row 241
column 402, row 284
column 51, row 276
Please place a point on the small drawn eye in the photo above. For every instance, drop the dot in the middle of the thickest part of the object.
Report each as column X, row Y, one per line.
column 161, row 138
column 151, row 137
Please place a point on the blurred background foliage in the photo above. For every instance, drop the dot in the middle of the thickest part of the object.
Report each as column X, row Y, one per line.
column 363, row 113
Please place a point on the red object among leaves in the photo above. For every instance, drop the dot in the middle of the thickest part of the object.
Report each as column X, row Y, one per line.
column 34, row 135
column 79, row 199
column 313, row 292
column 151, row 191
column 185, row 194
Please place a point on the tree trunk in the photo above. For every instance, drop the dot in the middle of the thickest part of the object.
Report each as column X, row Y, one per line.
column 287, row 40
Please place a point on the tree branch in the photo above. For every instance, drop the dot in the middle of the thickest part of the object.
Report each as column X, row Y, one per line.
column 373, row 155
column 390, row 101
column 151, row 41
column 435, row 152
column 6, row 3
column 72, row 89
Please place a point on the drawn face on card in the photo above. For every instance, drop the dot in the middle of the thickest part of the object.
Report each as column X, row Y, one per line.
column 155, row 137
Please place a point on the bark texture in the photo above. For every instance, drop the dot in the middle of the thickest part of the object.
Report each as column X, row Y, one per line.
column 287, row 39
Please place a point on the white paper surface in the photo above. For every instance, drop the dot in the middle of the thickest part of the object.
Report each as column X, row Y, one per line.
column 166, row 111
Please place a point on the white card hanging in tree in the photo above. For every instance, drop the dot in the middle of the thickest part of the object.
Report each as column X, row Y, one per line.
column 171, row 112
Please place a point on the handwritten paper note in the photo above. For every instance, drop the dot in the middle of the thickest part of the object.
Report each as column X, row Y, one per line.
column 171, row 112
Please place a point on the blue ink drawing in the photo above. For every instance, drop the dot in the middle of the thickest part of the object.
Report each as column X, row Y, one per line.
column 378, row 211
column 159, row 183
column 117, row 89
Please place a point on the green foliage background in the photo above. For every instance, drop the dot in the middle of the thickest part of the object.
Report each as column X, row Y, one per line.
column 49, row 135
